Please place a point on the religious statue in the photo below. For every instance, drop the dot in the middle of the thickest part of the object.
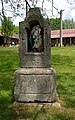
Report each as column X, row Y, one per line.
column 35, row 39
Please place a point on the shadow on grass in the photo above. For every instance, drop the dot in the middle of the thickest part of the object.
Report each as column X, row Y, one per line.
column 6, row 113
column 51, row 113
column 6, row 97
column 69, row 101
column 63, row 116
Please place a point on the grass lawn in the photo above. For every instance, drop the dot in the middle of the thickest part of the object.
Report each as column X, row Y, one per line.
column 63, row 61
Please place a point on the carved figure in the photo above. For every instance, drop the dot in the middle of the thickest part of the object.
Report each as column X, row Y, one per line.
column 35, row 39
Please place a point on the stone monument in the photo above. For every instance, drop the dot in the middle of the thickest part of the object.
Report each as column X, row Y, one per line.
column 35, row 80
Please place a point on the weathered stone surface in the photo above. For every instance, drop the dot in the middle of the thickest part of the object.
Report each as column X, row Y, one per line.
column 29, row 108
column 24, row 106
column 34, row 59
column 35, row 80
column 35, row 84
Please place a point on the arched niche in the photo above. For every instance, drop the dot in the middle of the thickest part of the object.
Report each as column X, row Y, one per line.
column 35, row 37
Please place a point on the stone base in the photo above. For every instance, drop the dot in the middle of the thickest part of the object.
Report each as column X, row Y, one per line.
column 29, row 108
column 18, row 106
column 35, row 85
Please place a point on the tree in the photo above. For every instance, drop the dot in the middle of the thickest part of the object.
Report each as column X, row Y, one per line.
column 0, row 28
column 7, row 29
column 16, row 30
column 68, row 24
column 55, row 23
column 18, row 7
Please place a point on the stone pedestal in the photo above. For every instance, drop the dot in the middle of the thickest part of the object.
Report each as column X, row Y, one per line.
column 35, row 85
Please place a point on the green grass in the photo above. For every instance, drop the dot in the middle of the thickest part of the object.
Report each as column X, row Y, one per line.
column 9, row 62
column 63, row 61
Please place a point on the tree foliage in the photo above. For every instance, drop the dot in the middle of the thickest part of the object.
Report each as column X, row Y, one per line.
column 0, row 28
column 55, row 23
column 16, row 30
column 68, row 24
column 7, row 28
